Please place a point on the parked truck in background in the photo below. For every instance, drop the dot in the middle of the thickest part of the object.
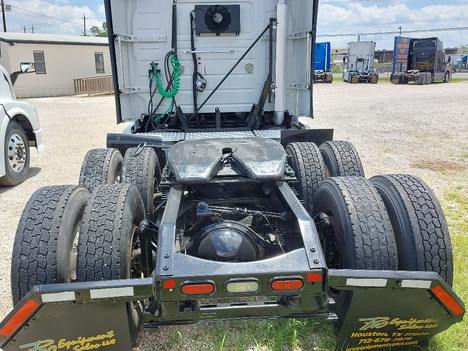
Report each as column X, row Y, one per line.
column 359, row 63
column 426, row 63
column 19, row 130
column 322, row 59
column 220, row 203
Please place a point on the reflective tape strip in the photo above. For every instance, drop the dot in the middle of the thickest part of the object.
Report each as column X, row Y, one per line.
column 112, row 292
column 418, row 284
column 58, row 297
column 366, row 282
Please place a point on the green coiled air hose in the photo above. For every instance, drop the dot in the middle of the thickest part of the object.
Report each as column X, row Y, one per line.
column 169, row 94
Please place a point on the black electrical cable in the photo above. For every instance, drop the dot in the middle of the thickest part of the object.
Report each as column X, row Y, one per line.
column 315, row 7
column 195, row 66
column 174, row 27
column 169, row 78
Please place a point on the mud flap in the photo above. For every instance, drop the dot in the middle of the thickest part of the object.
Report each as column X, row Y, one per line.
column 78, row 316
column 394, row 309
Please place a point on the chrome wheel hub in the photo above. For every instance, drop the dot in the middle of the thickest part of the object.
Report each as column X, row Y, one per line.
column 16, row 153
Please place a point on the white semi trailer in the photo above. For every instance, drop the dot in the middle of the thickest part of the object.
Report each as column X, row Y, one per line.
column 359, row 63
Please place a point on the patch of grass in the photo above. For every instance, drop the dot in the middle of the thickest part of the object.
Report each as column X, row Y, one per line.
column 456, row 337
column 458, row 80
column 455, row 206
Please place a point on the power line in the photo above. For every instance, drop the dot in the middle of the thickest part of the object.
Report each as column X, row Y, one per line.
column 398, row 22
column 341, row 2
column 394, row 32
column 40, row 14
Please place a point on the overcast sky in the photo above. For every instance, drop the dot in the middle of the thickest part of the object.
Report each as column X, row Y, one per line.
column 336, row 18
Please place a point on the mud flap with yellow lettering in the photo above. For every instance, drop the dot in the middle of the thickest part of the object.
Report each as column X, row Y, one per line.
column 78, row 316
column 394, row 309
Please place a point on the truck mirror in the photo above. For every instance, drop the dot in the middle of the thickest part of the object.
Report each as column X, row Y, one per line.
column 27, row 67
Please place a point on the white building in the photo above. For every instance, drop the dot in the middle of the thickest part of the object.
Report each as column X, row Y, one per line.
column 59, row 59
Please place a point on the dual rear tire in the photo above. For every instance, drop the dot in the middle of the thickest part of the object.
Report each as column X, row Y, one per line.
column 66, row 235
column 390, row 222
column 140, row 166
column 312, row 165
column 359, row 235
column 44, row 250
column 419, row 224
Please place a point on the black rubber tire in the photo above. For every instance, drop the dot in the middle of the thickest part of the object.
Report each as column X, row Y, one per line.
column 141, row 168
column 421, row 231
column 361, row 235
column 341, row 159
column 446, row 77
column 17, row 155
column 108, row 235
column 307, row 162
column 100, row 166
column 423, row 79
column 43, row 246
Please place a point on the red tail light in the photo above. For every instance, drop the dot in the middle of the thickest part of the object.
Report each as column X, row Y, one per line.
column 198, row 288
column 287, row 284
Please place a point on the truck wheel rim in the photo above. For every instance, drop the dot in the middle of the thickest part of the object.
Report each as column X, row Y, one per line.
column 72, row 276
column 16, row 153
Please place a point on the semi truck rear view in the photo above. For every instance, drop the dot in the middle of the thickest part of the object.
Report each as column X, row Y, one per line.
column 426, row 63
column 219, row 202
column 322, row 63
column 359, row 63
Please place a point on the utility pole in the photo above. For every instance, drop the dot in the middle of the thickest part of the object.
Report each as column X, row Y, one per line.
column 3, row 17
column 84, row 25
column 400, row 30
column 32, row 28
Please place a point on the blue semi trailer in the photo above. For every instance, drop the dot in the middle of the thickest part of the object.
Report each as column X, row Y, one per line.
column 322, row 60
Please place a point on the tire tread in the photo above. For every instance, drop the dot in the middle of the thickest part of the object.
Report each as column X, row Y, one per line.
column 34, row 257
column 309, row 166
column 424, row 224
column 342, row 159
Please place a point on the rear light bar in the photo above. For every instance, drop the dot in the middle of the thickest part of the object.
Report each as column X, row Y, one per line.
column 287, row 284
column 200, row 288
column 447, row 300
column 243, row 285
column 19, row 318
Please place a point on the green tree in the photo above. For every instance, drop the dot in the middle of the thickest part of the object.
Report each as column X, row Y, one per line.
column 464, row 48
column 99, row 32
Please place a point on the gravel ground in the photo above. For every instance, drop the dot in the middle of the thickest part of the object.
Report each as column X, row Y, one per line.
column 421, row 130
